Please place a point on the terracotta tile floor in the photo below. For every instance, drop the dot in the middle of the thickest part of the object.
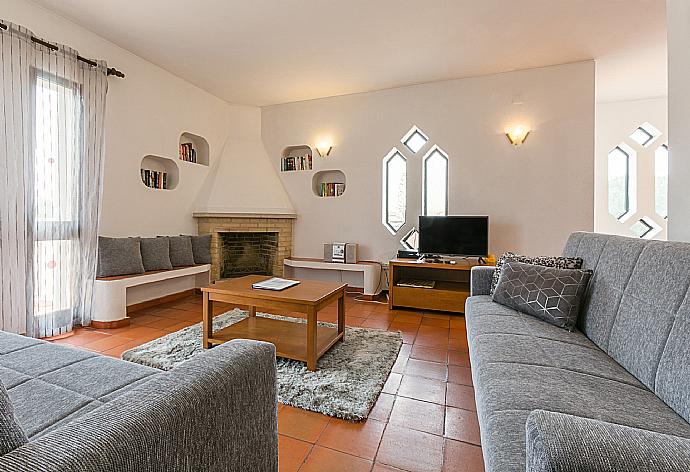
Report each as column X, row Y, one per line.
column 424, row 420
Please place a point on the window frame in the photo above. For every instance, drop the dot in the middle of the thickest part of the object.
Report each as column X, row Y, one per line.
column 392, row 154
column 408, row 136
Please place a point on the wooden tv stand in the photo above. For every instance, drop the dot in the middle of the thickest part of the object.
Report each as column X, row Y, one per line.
column 449, row 293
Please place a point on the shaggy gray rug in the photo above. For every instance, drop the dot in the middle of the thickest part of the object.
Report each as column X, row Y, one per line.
column 346, row 384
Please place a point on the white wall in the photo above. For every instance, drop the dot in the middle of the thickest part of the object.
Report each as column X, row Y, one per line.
column 146, row 113
column 679, row 119
column 615, row 121
column 535, row 195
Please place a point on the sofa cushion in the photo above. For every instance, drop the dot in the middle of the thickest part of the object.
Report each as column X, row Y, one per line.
column 12, row 435
column 181, row 254
column 155, row 253
column 50, row 384
column 520, row 364
column 637, row 308
column 546, row 261
column 119, row 256
column 201, row 248
column 548, row 293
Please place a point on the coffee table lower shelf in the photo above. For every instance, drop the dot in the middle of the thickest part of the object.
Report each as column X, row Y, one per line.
column 289, row 338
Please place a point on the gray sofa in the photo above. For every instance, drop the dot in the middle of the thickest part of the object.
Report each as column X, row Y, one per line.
column 86, row 412
column 613, row 395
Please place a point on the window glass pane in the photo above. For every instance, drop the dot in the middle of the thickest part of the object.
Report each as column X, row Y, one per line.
column 661, row 181
column 56, row 178
column 395, row 181
column 52, row 267
column 435, row 184
column 415, row 139
column 618, row 181
column 645, row 228
column 641, row 137
column 411, row 239
column 415, row 142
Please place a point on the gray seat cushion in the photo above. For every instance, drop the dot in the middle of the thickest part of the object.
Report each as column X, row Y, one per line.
column 181, row 254
column 50, row 384
column 119, row 256
column 155, row 253
column 12, row 435
column 520, row 364
column 637, row 309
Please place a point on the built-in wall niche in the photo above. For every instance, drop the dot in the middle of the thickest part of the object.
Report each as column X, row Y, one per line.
column 296, row 158
column 328, row 183
column 194, row 149
column 159, row 173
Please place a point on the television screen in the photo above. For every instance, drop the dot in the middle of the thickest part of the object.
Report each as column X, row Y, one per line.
column 454, row 235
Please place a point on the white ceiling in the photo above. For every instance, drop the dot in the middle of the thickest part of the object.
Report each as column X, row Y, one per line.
column 263, row 52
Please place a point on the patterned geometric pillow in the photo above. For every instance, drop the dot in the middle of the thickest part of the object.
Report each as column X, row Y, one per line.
column 545, row 261
column 550, row 294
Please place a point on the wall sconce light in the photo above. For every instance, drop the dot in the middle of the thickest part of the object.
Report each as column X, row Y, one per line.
column 324, row 148
column 517, row 135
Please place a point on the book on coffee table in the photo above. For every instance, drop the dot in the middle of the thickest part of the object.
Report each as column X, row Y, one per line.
column 275, row 283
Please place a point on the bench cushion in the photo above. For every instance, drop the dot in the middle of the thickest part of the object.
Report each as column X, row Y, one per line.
column 119, row 256
column 201, row 248
column 181, row 253
column 155, row 253
column 50, row 385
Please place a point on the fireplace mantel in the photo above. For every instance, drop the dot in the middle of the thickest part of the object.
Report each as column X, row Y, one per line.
column 221, row 214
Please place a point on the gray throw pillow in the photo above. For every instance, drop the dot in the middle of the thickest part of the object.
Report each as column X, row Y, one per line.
column 201, row 247
column 12, row 435
column 119, row 256
column 155, row 253
column 546, row 261
column 548, row 293
column 181, row 253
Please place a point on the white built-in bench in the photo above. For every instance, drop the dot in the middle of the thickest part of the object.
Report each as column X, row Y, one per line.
column 112, row 295
column 364, row 274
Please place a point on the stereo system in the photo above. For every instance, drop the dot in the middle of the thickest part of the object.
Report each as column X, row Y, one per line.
column 340, row 252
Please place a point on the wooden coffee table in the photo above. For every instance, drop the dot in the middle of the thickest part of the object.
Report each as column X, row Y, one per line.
column 305, row 342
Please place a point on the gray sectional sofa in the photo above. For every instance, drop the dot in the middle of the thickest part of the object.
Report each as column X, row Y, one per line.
column 84, row 412
column 612, row 396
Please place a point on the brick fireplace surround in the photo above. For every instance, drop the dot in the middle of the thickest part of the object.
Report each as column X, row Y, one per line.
column 217, row 223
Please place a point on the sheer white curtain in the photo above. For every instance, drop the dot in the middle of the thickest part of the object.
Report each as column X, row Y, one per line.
column 52, row 111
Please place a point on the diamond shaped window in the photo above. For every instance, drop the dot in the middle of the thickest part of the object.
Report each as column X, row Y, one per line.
column 621, row 171
column 645, row 134
column 661, row 181
column 411, row 239
column 394, row 190
column 415, row 139
column 645, row 228
column 435, row 195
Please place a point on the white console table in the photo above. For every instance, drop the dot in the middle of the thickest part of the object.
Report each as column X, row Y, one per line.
column 364, row 274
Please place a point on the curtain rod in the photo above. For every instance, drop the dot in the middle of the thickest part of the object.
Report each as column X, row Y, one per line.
column 111, row 70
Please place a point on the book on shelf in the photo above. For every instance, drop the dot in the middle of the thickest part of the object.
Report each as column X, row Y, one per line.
column 331, row 189
column 187, row 152
column 296, row 163
column 154, row 178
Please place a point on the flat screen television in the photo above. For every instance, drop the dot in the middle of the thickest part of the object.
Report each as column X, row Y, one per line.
column 454, row 235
